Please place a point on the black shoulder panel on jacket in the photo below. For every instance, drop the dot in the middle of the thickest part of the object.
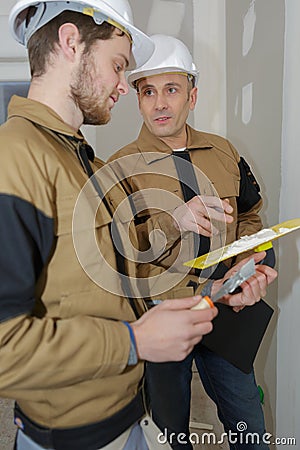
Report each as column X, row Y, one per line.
column 26, row 239
column 249, row 188
column 270, row 258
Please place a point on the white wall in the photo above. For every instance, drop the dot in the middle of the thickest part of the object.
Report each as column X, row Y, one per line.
column 288, row 361
column 210, row 57
column 255, row 56
column 13, row 57
column 253, row 105
column 272, row 113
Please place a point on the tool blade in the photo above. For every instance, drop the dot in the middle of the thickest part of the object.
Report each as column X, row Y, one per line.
column 245, row 272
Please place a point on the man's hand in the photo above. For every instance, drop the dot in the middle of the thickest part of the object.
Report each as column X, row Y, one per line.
column 197, row 214
column 253, row 289
column 169, row 331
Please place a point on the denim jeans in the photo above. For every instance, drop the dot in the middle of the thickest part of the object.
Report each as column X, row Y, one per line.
column 235, row 394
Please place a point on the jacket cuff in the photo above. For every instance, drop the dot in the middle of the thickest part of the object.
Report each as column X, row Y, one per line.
column 132, row 358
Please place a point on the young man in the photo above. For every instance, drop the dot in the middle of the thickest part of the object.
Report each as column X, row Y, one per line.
column 167, row 92
column 72, row 350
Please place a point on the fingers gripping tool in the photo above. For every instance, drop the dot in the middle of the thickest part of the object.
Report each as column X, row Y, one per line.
column 229, row 286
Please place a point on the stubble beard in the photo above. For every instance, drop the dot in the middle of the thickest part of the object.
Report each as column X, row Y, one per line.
column 92, row 104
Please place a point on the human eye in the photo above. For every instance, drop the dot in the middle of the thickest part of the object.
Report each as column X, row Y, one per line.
column 172, row 90
column 119, row 67
column 148, row 92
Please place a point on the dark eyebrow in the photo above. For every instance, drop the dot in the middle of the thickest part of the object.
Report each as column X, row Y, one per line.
column 125, row 59
column 147, row 86
column 171, row 84
column 122, row 33
column 126, row 63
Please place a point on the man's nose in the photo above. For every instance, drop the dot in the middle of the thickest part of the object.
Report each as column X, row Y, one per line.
column 161, row 102
column 123, row 87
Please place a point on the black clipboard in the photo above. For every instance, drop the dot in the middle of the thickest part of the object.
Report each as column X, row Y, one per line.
column 236, row 337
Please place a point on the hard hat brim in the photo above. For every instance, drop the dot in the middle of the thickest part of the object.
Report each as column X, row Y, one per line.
column 142, row 45
column 134, row 77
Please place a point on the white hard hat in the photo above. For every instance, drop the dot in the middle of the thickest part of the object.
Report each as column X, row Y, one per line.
column 116, row 12
column 170, row 55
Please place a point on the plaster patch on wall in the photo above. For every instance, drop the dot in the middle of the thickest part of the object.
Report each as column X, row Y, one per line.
column 236, row 106
column 247, row 102
column 161, row 19
column 249, row 28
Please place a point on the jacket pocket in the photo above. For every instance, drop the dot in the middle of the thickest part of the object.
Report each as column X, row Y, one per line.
column 79, row 213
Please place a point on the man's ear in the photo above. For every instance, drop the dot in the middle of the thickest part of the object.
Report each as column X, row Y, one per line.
column 193, row 98
column 69, row 40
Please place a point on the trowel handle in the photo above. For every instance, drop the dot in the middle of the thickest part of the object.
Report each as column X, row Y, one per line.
column 204, row 303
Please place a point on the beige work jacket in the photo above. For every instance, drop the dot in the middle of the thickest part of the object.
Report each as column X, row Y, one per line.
column 63, row 346
column 149, row 176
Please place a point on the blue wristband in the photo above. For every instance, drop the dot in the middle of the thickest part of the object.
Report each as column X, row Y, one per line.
column 132, row 359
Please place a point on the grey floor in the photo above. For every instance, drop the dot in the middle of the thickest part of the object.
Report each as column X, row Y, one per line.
column 7, row 428
column 203, row 419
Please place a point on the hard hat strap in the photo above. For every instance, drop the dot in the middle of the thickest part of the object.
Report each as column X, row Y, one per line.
column 120, row 27
column 99, row 18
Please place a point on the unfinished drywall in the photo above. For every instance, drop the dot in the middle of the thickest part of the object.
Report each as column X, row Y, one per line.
column 288, row 336
column 255, row 57
column 210, row 57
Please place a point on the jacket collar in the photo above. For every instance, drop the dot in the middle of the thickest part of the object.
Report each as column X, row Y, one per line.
column 153, row 149
column 47, row 118
column 42, row 115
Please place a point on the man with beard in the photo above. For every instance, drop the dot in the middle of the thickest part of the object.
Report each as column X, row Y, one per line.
column 72, row 339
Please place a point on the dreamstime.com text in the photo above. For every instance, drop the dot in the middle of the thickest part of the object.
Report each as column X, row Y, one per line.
column 241, row 436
